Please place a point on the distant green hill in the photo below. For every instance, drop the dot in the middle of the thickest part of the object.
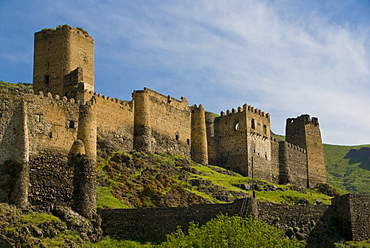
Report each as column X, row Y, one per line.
column 348, row 167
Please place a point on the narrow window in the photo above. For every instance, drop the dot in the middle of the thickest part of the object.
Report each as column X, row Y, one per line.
column 37, row 117
column 46, row 79
column 265, row 129
column 72, row 124
column 188, row 141
column 50, row 135
column 236, row 127
column 177, row 137
column 253, row 124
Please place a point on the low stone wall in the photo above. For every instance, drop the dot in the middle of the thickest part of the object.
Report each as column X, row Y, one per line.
column 152, row 224
column 318, row 225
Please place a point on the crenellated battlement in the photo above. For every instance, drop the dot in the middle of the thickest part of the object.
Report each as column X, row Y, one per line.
column 245, row 108
column 294, row 147
column 107, row 99
column 303, row 120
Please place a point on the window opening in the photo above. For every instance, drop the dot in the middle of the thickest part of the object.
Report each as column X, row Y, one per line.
column 236, row 127
column 72, row 124
column 177, row 137
column 37, row 117
column 47, row 79
column 253, row 124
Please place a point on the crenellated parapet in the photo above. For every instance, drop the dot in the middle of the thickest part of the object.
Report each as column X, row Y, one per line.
column 103, row 99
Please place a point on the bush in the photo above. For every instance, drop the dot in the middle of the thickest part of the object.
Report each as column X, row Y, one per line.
column 225, row 231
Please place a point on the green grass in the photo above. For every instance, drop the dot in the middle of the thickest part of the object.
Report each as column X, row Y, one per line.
column 38, row 218
column 227, row 182
column 345, row 174
column 105, row 199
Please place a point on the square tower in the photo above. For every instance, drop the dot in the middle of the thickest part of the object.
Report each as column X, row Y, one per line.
column 304, row 132
column 57, row 52
column 243, row 142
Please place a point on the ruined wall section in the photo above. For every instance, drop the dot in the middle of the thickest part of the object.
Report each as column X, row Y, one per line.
column 353, row 211
column 114, row 120
column 293, row 164
column 230, row 137
column 258, row 141
column 161, row 123
column 57, row 53
column 305, row 133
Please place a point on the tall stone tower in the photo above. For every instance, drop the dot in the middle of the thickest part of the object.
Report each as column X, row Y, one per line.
column 199, row 149
column 59, row 52
column 304, row 132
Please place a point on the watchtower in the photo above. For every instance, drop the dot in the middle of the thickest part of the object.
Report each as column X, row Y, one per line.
column 304, row 132
column 63, row 56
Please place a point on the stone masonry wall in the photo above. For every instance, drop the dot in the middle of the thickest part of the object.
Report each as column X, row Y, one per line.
column 274, row 160
column 115, row 121
column 293, row 164
column 162, row 123
column 305, row 133
column 231, row 140
column 152, row 224
column 57, row 53
column 355, row 216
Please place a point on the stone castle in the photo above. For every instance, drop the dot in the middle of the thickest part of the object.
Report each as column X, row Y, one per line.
column 48, row 148
column 63, row 116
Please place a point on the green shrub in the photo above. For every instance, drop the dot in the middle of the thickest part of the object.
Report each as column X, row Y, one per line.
column 225, row 231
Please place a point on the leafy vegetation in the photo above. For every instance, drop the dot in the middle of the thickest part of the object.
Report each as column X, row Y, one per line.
column 235, row 231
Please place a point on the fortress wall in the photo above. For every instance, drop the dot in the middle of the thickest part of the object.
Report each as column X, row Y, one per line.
column 167, row 123
column 231, row 140
column 48, row 120
column 114, row 120
column 51, row 180
column 152, row 224
column 53, row 123
column 274, row 160
column 293, row 164
column 355, row 216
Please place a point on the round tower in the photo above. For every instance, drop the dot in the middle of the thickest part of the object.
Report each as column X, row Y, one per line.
column 199, row 149
column 87, row 128
column 142, row 131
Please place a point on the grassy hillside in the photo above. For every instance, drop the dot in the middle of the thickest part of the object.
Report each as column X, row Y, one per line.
column 18, row 86
column 348, row 167
column 162, row 180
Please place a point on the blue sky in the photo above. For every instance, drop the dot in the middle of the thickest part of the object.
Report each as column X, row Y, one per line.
column 286, row 57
